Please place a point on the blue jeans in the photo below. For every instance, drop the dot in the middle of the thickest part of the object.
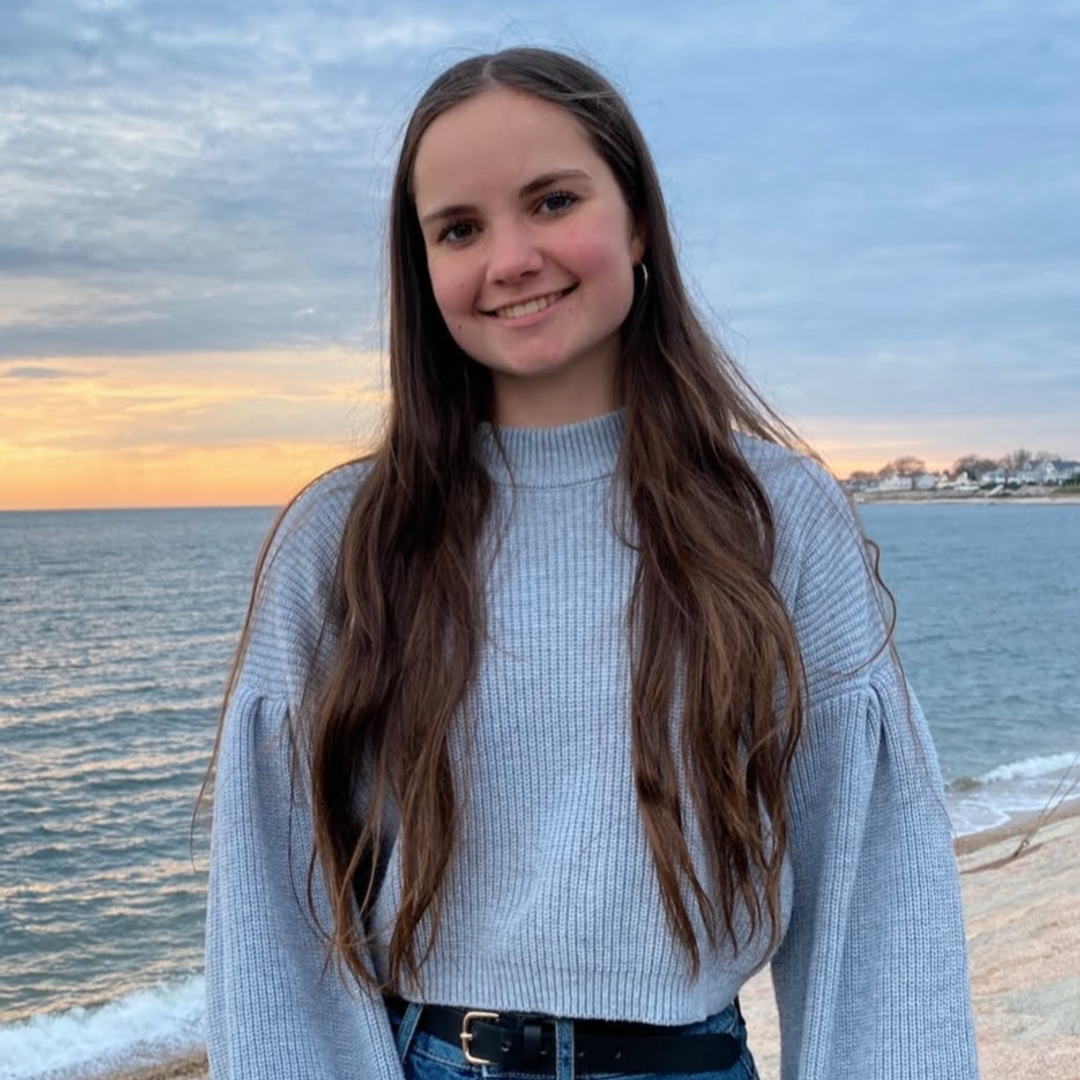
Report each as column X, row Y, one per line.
column 425, row 1057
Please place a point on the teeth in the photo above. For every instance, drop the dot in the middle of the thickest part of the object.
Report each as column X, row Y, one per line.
column 518, row 311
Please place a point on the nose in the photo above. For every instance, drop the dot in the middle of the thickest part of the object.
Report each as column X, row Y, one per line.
column 512, row 254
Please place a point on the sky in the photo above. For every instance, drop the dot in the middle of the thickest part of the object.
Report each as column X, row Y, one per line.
column 877, row 207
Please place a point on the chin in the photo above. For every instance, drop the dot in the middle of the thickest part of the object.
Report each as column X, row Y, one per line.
column 533, row 368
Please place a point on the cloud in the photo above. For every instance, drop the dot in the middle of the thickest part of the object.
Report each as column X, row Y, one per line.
column 208, row 428
column 28, row 372
column 926, row 388
column 875, row 200
column 190, row 399
column 170, row 157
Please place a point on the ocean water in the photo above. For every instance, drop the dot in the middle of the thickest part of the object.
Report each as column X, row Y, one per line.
column 988, row 630
column 116, row 630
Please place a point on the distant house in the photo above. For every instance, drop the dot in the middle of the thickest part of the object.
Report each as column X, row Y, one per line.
column 894, row 482
column 1043, row 472
column 1047, row 472
column 994, row 478
column 1057, row 472
column 962, row 485
column 926, row 482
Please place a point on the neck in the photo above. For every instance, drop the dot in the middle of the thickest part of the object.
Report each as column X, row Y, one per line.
column 567, row 396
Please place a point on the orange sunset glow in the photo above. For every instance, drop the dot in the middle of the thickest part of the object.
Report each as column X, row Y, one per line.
column 207, row 429
column 230, row 428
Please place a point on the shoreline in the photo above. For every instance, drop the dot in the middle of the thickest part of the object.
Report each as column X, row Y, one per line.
column 1001, row 891
column 862, row 498
column 1016, row 828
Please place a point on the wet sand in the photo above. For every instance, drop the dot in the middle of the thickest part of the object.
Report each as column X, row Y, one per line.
column 1023, row 926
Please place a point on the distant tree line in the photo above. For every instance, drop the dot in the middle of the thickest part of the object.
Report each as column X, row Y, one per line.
column 974, row 465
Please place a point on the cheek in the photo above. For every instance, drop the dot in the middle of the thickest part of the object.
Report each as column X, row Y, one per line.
column 601, row 254
column 596, row 254
column 606, row 267
column 454, row 290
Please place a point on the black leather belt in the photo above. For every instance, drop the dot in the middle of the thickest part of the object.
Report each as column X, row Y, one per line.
column 515, row 1041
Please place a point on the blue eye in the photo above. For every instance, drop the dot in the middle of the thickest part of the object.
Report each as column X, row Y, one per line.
column 457, row 232
column 558, row 202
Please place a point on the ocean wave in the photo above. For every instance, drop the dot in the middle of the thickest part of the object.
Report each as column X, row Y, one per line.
column 1029, row 769
column 141, row 1027
column 994, row 797
column 1033, row 768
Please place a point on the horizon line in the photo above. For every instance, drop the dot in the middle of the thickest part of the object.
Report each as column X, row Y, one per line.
column 131, row 509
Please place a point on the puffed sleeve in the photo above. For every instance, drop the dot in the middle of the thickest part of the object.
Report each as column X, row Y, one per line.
column 274, row 1009
column 871, row 978
column 271, row 1010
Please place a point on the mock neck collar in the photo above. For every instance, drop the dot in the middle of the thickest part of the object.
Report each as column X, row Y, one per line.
column 553, row 456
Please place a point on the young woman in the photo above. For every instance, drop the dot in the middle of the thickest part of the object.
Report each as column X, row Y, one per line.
column 573, row 705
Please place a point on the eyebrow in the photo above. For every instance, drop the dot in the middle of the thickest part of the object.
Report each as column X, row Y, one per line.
column 533, row 186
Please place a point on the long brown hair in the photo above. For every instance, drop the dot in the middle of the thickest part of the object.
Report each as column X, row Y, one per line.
column 703, row 615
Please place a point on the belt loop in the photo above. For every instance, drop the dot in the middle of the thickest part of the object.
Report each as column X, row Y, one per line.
column 407, row 1028
column 564, row 1049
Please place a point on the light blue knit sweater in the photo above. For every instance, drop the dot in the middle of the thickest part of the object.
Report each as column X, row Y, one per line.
column 552, row 904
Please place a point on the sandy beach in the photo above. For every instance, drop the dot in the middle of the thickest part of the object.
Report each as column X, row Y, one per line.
column 1024, row 943
column 1023, row 931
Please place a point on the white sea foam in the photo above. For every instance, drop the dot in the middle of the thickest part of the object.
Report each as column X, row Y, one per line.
column 1029, row 769
column 1017, row 787
column 140, row 1027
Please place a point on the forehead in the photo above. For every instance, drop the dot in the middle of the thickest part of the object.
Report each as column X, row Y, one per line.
column 498, row 140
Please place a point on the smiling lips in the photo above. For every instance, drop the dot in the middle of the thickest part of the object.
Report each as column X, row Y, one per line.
column 530, row 307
